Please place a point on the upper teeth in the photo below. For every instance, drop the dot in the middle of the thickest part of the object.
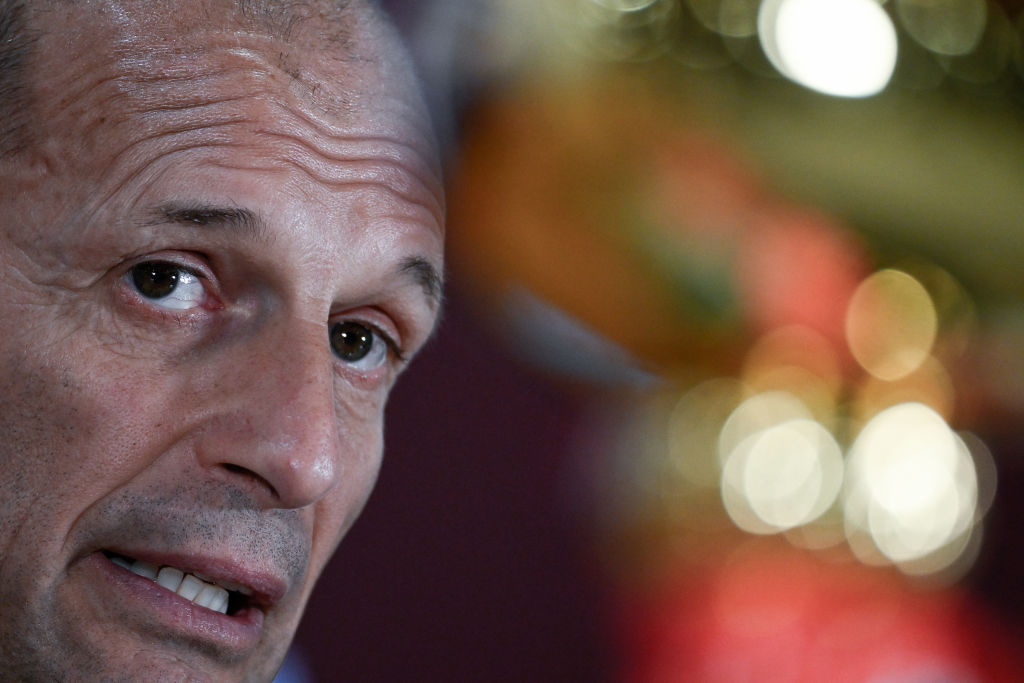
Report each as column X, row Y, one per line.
column 188, row 586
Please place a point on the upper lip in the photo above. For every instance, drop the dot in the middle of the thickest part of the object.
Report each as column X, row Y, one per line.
column 263, row 588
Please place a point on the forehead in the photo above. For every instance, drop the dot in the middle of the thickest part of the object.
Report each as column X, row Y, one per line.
column 125, row 84
column 147, row 40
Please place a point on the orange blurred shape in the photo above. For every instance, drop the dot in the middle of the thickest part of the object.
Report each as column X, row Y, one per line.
column 929, row 384
column 798, row 360
column 546, row 198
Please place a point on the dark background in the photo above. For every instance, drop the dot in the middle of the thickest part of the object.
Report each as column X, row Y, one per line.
column 469, row 562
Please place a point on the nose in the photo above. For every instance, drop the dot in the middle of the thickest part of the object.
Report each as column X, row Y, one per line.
column 272, row 421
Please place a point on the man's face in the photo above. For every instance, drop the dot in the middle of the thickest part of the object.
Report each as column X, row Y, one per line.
column 211, row 269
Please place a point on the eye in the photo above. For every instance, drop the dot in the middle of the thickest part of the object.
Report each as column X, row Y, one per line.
column 167, row 285
column 358, row 345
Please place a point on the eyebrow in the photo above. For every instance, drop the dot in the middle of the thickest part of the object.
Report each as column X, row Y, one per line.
column 426, row 276
column 193, row 214
column 422, row 271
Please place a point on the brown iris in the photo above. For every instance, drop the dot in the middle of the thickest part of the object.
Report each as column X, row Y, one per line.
column 351, row 341
column 156, row 279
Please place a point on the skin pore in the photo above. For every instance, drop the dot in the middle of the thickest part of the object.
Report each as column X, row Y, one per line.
column 219, row 250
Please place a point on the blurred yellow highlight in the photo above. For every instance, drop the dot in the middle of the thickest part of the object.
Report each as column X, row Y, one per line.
column 891, row 324
column 695, row 424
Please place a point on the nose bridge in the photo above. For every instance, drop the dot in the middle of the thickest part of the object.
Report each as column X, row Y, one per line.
column 276, row 417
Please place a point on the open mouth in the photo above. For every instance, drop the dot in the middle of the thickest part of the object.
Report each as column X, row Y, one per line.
column 200, row 590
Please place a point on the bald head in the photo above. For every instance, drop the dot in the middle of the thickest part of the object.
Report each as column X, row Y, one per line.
column 34, row 35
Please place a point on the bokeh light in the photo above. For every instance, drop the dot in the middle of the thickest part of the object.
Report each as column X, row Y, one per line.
column 620, row 30
column 757, row 413
column 891, row 324
column 846, row 48
column 946, row 27
column 735, row 18
column 985, row 471
column 911, row 486
column 695, row 424
column 785, row 475
column 990, row 58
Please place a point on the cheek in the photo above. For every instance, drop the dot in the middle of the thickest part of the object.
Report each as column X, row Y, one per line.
column 361, row 442
column 65, row 440
column 340, row 508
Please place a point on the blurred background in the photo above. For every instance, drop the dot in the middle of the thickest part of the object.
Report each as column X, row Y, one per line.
column 730, row 380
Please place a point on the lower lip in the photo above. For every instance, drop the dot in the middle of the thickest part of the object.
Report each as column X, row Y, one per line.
column 234, row 634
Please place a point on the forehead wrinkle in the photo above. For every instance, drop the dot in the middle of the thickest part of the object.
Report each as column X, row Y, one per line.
column 261, row 34
column 363, row 172
column 353, row 161
column 176, row 78
column 230, row 73
column 146, row 51
column 412, row 202
column 147, row 109
column 172, row 125
column 162, row 105
column 127, row 163
column 254, row 72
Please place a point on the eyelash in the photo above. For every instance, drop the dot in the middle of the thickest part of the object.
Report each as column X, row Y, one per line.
column 393, row 346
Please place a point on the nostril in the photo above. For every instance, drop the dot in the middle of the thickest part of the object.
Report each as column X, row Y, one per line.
column 239, row 471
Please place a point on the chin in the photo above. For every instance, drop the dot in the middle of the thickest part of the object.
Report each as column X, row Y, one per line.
column 155, row 666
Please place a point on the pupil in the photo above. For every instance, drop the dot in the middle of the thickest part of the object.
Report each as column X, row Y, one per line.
column 351, row 341
column 155, row 280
